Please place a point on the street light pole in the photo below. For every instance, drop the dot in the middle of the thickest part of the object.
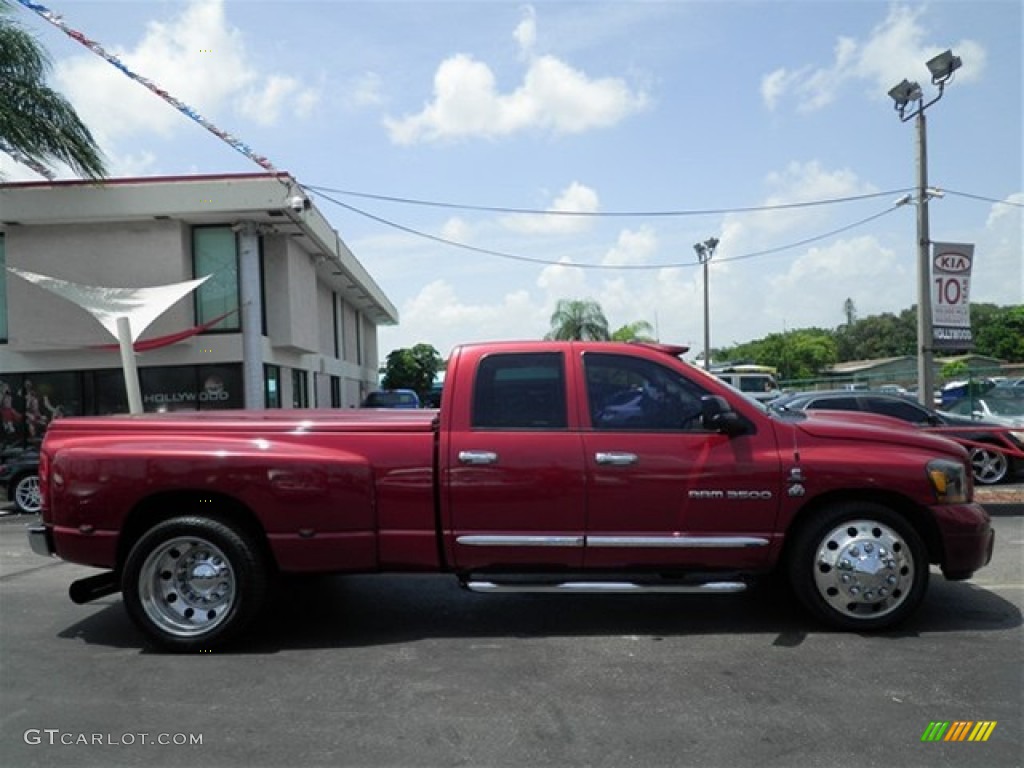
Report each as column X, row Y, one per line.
column 904, row 94
column 925, row 370
column 705, row 251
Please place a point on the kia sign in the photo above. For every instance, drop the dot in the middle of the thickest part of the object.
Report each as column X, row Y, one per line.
column 951, row 290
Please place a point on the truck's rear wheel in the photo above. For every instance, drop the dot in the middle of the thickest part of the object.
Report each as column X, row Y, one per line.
column 192, row 583
column 859, row 566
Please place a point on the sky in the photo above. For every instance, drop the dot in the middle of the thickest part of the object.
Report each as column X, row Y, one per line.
column 435, row 135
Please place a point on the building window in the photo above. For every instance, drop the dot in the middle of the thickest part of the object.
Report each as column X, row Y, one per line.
column 335, row 391
column 300, row 388
column 3, row 292
column 215, row 253
column 337, row 328
column 272, row 386
column 359, row 338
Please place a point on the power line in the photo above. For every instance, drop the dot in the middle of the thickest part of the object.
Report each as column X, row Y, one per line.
column 601, row 214
column 577, row 265
column 983, row 198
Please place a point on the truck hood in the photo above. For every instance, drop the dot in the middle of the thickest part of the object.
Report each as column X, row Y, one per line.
column 871, row 428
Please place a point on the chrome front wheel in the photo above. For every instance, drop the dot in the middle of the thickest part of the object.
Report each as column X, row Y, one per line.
column 863, row 568
column 858, row 565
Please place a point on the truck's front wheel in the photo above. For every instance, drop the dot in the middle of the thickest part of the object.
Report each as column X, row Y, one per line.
column 192, row 583
column 859, row 566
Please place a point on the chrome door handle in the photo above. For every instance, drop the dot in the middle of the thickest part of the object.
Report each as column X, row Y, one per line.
column 616, row 458
column 478, row 457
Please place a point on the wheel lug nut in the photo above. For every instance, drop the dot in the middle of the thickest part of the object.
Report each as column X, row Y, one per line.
column 854, row 591
column 882, row 591
column 846, row 578
column 868, row 547
column 891, row 580
column 855, row 551
column 845, row 564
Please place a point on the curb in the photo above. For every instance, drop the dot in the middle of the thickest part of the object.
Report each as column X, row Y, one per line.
column 1004, row 509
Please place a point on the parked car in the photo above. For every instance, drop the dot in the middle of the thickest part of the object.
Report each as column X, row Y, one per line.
column 392, row 398
column 19, row 474
column 992, row 407
column 997, row 452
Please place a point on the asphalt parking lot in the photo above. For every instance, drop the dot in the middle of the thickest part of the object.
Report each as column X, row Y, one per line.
column 412, row 671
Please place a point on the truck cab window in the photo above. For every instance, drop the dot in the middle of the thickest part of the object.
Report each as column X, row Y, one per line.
column 520, row 391
column 630, row 393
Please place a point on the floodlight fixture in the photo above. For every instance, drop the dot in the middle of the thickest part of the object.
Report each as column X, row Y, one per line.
column 904, row 93
column 943, row 66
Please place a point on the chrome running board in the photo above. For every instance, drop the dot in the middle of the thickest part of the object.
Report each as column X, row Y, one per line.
column 607, row 587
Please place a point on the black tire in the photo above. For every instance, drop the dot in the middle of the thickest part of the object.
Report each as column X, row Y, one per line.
column 989, row 465
column 858, row 566
column 193, row 584
column 25, row 494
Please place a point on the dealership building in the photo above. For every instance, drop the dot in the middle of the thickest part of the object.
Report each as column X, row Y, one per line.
column 287, row 316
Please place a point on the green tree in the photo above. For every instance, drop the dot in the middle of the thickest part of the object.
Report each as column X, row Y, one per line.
column 36, row 122
column 578, row 320
column 885, row 335
column 639, row 330
column 998, row 331
column 412, row 368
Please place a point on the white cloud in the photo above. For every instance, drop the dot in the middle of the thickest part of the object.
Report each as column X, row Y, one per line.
column 633, row 248
column 198, row 58
column 895, row 49
column 526, row 32
column 365, row 90
column 553, row 97
column 998, row 271
column 576, row 198
column 451, row 320
column 456, row 229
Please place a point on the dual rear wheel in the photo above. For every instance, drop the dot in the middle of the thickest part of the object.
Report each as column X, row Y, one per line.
column 192, row 583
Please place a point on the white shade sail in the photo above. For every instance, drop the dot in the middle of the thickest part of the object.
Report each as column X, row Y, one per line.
column 140, row 305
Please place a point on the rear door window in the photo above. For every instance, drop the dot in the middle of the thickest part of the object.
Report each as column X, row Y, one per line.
column 520, row 391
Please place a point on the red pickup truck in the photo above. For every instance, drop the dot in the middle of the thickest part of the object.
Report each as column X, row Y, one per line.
column 550, row 466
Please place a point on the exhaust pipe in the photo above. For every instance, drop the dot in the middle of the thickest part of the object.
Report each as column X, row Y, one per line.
column 94, row 587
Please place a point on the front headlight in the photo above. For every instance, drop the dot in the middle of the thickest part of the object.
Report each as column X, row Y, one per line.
column 949, row 480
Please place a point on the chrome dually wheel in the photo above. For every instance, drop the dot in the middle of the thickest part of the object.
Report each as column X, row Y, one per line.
column 859, row 565
column 187, row 586
column 863, row 568
column 193, row 583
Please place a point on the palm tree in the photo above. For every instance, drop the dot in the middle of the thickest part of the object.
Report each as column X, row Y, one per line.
column 578, row 320
column 38, row 126
column 639, row 330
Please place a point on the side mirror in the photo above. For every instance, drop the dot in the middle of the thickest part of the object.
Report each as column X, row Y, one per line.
column 718, row 416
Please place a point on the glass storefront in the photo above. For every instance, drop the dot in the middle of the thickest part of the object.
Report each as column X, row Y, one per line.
column 30, row 402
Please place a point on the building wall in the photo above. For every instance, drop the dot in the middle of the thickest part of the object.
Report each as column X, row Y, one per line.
column 133, row 255
column 48, row 333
